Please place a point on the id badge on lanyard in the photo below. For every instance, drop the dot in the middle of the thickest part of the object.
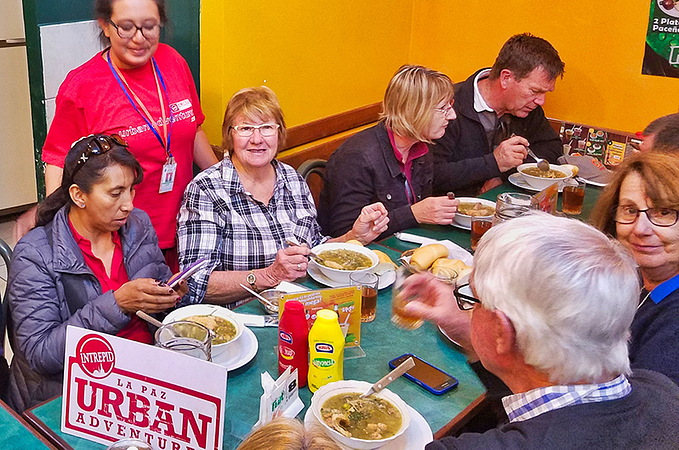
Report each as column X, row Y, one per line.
column 167, row 177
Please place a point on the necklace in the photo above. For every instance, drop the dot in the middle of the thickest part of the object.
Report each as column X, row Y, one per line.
column 644, row 300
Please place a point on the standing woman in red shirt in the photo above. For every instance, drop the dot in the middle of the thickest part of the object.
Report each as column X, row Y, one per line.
column 92, row 262
column 143, row 91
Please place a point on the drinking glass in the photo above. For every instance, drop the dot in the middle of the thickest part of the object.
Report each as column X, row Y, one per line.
column 479, row 227
column 369, row 282
column 573, row 196
column 189, row 338
column 510, row 205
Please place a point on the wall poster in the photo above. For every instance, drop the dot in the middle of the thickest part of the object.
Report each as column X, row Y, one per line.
column 661, row 56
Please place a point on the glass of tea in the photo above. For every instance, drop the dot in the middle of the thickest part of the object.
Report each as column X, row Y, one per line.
column 399, row 316
column 369, row 285
column 573, row 196
column 479, row 227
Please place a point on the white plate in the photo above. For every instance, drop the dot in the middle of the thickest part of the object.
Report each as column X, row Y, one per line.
column 416, row 436
column 449, row 338
column 241, row 353
column 517, row 180
column 461, row 227
column 594, row 183
column 386, row 280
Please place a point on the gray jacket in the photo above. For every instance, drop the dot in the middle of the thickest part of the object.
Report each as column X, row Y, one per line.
column 50, row 287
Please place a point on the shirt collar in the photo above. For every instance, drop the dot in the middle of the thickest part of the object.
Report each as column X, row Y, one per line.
column 417, row 150
column 524, row 406
column 480, row 104
column 664, row 289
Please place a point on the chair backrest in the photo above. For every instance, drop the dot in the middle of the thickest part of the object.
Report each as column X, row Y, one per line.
column 313, row 172
column 6, row 254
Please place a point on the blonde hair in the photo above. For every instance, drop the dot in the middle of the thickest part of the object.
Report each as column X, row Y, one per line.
column 255, row 102
column 410, row 99
column 288, row 434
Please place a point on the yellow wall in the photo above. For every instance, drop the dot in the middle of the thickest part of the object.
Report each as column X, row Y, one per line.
column 602, row 44
column 320, row 57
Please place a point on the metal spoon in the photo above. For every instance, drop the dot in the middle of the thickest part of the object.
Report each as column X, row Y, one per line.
column 391, row 376
column 543, row 164
column 312, row 254
column 262, row 298
column 153, row 321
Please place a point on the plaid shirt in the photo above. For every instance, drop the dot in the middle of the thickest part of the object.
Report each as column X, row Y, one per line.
column 520, row 407
column 219, row 220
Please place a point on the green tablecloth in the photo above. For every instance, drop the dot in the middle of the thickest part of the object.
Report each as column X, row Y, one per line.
column 462, row 237
column 14, row 435
column 381, row 342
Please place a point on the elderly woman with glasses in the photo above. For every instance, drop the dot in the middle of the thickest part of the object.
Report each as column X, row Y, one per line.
column 639, row 207
column 240, row 214
column 391, row 162
column 92, row 262
column 142, row 90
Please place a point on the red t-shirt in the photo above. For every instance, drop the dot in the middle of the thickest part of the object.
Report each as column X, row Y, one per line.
column 136, row 330
column 90, row 100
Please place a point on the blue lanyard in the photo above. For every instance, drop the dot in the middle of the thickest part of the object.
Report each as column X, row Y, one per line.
column 167, row 99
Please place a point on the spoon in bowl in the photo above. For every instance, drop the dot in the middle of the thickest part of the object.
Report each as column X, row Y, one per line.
column 543, row 164
column 391, row 376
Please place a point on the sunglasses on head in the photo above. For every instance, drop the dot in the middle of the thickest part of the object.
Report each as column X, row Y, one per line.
column 98, row 145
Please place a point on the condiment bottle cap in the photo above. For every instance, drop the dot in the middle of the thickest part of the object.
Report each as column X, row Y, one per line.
column 326, row 314
column 294, row 305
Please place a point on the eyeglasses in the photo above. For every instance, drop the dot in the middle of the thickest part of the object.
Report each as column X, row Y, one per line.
column 98, row 145
column 265, row 129
column 660, row 217
column 465, row 302
column 446, row 109
column 127, row 30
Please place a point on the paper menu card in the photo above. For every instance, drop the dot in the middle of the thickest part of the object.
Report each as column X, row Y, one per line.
column 547, row 198
column 345, row 301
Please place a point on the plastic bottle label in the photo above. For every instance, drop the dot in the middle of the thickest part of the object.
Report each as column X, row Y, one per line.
column 287, row 352
column 323, row 363
column 285, row 337
column 324, row 348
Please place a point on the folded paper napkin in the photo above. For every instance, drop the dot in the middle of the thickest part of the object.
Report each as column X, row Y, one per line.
column 591, row 169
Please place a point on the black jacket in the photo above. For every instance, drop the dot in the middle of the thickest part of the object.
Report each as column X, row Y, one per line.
column 463, row 158
column 364, row 170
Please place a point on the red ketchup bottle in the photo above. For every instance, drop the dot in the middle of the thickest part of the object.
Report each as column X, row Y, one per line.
column 293, row 337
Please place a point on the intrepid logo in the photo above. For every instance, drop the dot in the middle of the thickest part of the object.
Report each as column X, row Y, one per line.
column 95, row 356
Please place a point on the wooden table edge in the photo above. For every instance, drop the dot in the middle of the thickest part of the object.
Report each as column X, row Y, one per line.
column 462, row 418
column 55, row 440
column 37, row 433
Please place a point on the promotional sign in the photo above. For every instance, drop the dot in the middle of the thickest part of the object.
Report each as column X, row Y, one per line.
column 661, row 56
column 345, row 301
column 547, row 198
column 280, row 398
column 115, row 388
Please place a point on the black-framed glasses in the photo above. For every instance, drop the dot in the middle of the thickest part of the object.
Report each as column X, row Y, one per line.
column 465, row 301
column 660, row 217
column 98, row 145
column 127, row 30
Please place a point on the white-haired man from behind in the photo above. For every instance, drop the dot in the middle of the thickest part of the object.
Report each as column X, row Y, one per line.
column 548, row 313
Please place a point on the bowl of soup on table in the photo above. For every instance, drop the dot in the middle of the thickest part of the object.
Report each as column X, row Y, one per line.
column 338, row 260
column 473, row 207
column 540, row 179
column 360, row 423
column 225, row 326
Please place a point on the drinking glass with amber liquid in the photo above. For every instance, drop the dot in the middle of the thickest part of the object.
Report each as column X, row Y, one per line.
column 399, row 315
column 573, row 196
column 479, row 227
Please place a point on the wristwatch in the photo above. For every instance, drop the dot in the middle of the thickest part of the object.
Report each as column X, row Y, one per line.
column 252, row 280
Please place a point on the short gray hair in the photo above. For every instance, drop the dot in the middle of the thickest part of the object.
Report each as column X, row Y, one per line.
column 570, row 292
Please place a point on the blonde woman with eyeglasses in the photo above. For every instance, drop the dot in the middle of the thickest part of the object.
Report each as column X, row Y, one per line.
column 240, row 214
column 142, row 90
column 391, row 162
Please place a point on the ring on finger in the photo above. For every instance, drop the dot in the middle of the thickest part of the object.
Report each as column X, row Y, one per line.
column 299, row 266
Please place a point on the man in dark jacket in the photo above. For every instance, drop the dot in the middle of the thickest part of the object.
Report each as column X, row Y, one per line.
column 499, row 115
column 551, row 303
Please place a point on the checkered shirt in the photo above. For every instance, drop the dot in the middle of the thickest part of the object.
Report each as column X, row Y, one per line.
column 222, row 222
column 520, row 407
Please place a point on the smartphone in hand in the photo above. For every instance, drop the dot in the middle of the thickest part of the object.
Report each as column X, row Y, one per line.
column 186, row 273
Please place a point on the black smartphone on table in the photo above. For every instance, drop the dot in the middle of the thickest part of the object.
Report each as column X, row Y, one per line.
column 426, row 375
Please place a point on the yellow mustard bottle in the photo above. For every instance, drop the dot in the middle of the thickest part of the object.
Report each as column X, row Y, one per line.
column 326, row 350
